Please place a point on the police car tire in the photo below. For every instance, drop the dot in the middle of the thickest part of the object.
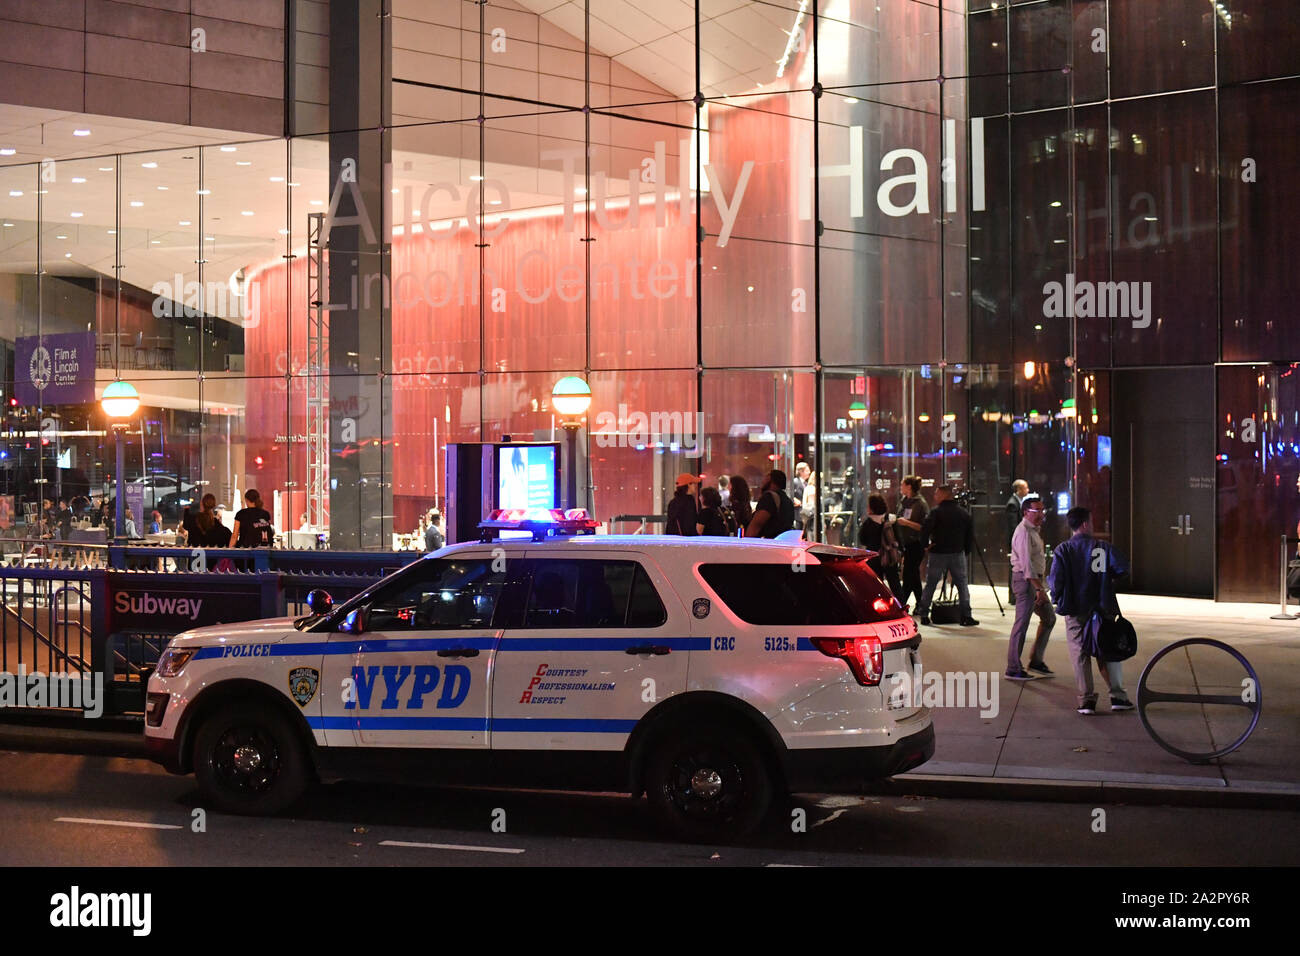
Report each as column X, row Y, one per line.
column 278, row 753
column 730, row 752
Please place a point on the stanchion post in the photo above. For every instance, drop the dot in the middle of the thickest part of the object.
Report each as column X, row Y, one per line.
column 1282, row 614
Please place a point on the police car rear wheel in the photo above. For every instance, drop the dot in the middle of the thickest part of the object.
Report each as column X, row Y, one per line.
column 248, row 760
column 709, row 785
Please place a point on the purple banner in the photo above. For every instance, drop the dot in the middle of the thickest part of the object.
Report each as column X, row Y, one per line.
column 55, row 369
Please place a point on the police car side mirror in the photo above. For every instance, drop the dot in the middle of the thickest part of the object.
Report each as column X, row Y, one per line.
column 319, row 602
column 355, row 622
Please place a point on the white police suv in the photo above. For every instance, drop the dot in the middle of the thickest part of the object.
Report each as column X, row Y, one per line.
column 715, row 675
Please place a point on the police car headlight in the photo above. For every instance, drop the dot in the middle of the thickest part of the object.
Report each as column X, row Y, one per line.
column 173, row 660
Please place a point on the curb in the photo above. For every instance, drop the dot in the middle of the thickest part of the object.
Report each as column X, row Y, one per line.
column 102, row 737
column 124, row 737
column 1097, row 792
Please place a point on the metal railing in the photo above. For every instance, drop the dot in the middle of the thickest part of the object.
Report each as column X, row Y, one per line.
column 62, row 611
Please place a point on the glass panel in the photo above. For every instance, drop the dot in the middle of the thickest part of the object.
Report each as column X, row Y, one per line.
column 1165, row 46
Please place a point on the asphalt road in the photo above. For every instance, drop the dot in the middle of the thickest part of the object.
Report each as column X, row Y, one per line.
column 60, row 810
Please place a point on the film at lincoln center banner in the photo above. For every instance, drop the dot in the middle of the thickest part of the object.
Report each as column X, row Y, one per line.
column 55, row 369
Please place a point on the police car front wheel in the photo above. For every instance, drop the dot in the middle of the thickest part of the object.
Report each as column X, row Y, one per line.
column 709, row 784
column 248, row 760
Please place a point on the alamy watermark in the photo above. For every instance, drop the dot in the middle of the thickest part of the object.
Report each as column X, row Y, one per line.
column 35, row 689
column 633, row 428
column 1098, row 300
column 918, row 688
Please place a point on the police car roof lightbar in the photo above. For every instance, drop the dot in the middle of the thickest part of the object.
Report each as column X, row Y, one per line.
column 542, row 523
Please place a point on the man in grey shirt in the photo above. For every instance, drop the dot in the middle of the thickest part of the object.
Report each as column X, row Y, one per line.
column 1028, row 569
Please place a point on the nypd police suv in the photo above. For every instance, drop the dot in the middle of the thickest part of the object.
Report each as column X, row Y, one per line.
column 715, row 675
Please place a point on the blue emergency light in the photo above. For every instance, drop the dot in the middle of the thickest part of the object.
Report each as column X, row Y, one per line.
column 541, row 523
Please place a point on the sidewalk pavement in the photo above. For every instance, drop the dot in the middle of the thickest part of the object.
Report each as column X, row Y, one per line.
column 1036, row 747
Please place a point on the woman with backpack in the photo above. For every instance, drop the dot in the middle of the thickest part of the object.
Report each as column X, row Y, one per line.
column 877, row 534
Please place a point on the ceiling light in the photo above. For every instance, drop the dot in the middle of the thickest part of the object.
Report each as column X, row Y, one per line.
column 277, row 179
column 295, row 184
column 246, row 212
column 67, row 255
column 476, row 179
column 9, row 225
column 494, row 202
column 227, row 149
column 163, row 188
column 155, row 241
column 284, row 232
column 318, row 202
column 8, row 151
column 183, row 222
column 76, row 215
column 112, row 232
column 202, row 192
column 851, row 99
column 78, row 179
column 580, row 191
column 395, row 189
column 81, row 132
column 60, row 237
column 137, row 203
column 243, row 162
column 209, row 238
column 1055, row 203
column 105, row 169
column 150, row 165
column 15, row 192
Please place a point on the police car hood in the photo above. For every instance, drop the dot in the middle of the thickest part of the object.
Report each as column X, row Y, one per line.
column 271, row 630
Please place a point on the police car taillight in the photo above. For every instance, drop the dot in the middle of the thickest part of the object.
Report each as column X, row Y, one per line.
column 864, row 655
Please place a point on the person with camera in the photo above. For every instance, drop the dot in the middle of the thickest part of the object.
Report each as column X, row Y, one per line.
column 950, row 531
column 1081, row 582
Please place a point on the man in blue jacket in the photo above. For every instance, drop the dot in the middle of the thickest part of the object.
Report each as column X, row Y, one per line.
column 1082, row 582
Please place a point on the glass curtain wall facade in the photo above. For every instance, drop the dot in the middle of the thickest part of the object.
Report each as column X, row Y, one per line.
column 739, row 221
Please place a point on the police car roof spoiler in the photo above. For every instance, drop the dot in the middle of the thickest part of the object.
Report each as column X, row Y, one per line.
column 831, row 552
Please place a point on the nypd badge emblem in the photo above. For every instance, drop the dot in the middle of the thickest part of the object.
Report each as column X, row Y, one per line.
column 302, row 684
column 700, row 608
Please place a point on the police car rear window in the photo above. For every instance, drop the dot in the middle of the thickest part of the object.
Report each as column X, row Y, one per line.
column 782, row 595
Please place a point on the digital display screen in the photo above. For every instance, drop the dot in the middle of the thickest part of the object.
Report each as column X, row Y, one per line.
column 1103, row 452
column 528, row 476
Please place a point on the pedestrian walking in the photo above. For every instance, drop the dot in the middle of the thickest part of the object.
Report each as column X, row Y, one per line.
column 1082, row 583
column 1028, row 569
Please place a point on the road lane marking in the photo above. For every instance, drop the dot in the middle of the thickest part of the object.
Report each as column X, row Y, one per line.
column 119, row 823
column 452, row 846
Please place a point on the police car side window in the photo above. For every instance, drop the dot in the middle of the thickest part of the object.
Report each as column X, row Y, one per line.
column 439, row 595
column 777, row 594
column 591, row 594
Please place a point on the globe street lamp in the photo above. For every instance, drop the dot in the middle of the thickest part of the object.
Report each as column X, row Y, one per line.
column 571, row 397
column 119, row 402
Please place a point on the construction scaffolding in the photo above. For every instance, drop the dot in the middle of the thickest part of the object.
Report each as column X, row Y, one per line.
column 318, row 423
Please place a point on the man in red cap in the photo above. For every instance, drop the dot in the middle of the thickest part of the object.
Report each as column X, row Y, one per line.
column 682, row 511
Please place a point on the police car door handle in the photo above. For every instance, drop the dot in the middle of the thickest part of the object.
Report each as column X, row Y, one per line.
column 649, row 649
column 458, row 652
